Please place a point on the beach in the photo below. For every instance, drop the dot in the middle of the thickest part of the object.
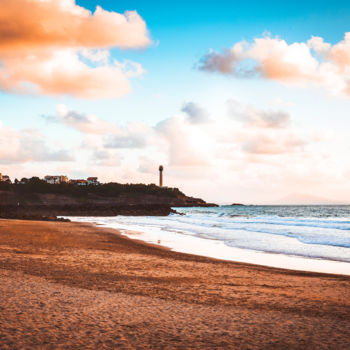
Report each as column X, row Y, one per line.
column 81, row 286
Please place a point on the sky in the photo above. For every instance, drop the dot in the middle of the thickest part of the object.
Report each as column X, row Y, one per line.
column 239, row 101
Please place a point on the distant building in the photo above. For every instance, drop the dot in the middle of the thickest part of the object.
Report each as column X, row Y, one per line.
column 51, row 179
column 56, row 179
column 82, row 182
column 64, row 178
column 92, row 181
column 5, row 178
column 79, row 182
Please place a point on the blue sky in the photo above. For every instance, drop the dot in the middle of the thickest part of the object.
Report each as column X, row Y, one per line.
column 208, row 22
column 151, row 117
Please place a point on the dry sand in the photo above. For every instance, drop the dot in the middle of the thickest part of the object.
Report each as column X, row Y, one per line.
column 77, row 286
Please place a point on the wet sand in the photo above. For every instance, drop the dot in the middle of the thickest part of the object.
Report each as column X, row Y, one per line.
column 77, row 286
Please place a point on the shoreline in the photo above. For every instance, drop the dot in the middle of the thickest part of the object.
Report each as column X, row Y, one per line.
column 78, row 285
column 216, row 249
column 178, row 254
column 293, row 270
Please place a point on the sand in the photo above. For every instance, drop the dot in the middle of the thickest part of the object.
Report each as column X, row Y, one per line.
column 77, row 286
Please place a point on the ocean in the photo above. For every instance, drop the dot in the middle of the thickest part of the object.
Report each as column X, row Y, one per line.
column 309, row 238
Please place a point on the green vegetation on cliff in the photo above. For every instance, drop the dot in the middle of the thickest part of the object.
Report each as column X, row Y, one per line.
column 112, row 189
column 38, row 197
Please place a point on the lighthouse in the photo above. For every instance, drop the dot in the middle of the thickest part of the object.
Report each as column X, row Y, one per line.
column 161, row 176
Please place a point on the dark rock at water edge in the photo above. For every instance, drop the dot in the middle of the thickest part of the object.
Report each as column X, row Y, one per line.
column 42, row 212
column 28, row 216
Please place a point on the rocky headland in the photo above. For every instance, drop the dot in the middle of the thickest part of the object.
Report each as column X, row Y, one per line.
column 39, row 200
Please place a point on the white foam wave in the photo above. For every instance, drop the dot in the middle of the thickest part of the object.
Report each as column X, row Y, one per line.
column 318, row 235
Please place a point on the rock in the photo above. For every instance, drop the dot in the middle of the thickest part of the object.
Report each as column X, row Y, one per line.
column 47, row 202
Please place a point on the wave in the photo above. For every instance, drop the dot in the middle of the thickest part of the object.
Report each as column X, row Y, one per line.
column 314, row 232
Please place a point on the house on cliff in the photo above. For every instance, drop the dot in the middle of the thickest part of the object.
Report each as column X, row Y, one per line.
column 92, row 181
column 79, row 182
column 56, row 179
column 5, row 178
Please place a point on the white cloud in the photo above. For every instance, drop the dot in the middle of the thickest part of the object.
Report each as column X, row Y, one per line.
column 272, row 144
column 253, row 117
column 28, row 145
column 106, row 158
column 195, row 113
column 187, row 145
column 88, row 124
column 237, row 152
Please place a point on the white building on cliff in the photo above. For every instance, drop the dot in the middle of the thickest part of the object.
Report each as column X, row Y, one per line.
column 56, row 179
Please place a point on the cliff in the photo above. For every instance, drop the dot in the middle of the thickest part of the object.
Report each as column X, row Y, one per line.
column 38, row 198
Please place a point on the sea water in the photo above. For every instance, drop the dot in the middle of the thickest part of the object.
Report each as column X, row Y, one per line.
column 310, row 238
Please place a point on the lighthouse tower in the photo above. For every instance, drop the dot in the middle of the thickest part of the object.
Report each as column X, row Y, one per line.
column 161, row 176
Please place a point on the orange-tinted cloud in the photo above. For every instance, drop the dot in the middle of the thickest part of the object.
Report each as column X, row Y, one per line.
column 53, row 47
column 314, row 62
column 338, row 54
column 32, row 24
